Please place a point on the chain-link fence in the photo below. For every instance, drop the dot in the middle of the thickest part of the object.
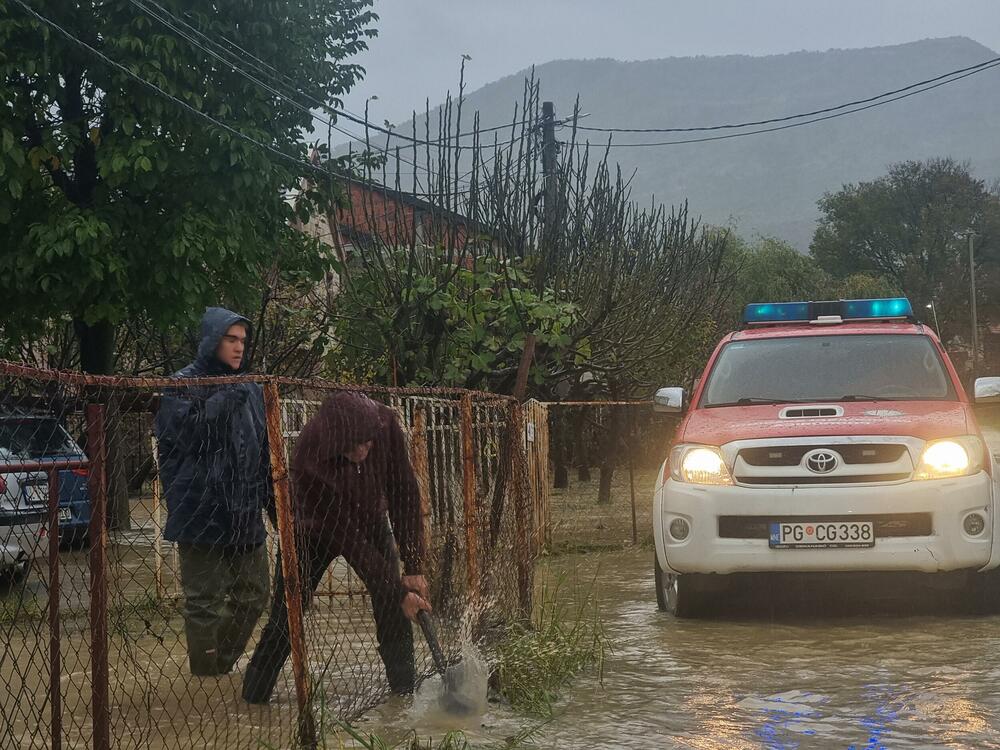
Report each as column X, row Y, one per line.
column 207, row 562
column 592, row 467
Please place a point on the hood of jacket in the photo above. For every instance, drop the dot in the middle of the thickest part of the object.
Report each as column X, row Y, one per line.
column 343, row 421
column 214, row 324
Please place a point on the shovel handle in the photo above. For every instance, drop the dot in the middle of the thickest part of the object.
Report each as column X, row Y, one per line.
column 423, row 619
column 425, row 625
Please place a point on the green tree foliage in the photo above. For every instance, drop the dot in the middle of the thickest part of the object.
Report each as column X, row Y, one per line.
column 770, row 270
column 911, row 227
column 449, row 324
column 116, row 204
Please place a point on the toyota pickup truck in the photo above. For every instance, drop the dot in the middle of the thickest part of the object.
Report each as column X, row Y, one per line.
column 823, row 436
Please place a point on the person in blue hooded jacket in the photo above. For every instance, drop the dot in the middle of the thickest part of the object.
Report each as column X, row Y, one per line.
column 215, row 474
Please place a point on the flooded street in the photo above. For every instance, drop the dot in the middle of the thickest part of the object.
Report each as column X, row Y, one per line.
column 763, row 680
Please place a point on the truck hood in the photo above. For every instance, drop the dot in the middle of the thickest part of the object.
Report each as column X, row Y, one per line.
column 927, row 420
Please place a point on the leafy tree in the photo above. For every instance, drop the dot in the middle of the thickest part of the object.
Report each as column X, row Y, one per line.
column 771, row 270
column 911, row 227
column 446, row 324
column 117, row 204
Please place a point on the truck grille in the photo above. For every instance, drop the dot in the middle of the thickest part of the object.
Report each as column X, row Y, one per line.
column 793, row 463
column 791, row 455
column 886, row 525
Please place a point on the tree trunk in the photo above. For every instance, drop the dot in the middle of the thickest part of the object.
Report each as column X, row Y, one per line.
column 604, row 492
column 561, row 475
column 610, row 453
column 97, row 353
column 583, row 473
column 97, row 346
column 559, row 448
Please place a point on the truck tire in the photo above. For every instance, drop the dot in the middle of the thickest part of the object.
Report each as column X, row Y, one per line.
column 681, row 596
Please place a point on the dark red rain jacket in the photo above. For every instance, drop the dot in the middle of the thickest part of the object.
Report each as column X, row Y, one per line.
column 340, row 504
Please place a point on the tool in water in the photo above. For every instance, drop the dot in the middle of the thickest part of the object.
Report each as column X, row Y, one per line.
column 453, row 700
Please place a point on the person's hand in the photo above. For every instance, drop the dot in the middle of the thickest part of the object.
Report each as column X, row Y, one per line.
column 412, row 604
column 418, row 584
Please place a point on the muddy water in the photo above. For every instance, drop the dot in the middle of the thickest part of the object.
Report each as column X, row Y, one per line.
column 766, row 679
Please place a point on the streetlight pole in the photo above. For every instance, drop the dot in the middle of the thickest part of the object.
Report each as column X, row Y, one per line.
column 972, row 304
column 933, row 309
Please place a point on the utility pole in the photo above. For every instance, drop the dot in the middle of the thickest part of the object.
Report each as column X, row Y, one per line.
column 550, row 187
column 972, row 305
column 550, row 151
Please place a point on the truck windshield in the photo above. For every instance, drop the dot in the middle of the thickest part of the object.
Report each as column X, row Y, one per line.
column 856, row 367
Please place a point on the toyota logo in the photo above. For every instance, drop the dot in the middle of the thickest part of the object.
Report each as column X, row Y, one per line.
column 821, row 462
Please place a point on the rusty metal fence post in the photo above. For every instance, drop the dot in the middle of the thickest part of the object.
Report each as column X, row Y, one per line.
column 469, row 497
column 524, row 533
column 418, row 458
column 289, row 563
column 98, row 532
column 55, row 660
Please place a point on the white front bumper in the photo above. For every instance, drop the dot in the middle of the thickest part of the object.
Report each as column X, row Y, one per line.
column 947, row 548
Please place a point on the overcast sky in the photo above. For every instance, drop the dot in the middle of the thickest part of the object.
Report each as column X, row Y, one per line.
column 420, row 43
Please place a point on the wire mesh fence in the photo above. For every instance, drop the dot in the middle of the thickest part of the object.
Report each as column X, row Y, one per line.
column 211, row 561
column 592, row 468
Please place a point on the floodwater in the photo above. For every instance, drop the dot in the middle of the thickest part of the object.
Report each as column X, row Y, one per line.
column 876, row 675
column 819, row 665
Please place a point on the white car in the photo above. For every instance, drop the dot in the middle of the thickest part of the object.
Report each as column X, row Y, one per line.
column 23, row 517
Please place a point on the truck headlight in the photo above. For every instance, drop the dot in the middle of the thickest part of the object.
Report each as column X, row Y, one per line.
column 699, row 464
column 951, row 457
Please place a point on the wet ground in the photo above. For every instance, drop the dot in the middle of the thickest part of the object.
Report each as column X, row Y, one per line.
column 816, row 665
column 919, row 673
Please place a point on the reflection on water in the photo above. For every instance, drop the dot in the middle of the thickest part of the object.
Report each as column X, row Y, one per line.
column 781, row 682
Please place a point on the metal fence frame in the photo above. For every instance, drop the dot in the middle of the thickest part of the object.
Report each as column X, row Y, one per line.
column 423, row 428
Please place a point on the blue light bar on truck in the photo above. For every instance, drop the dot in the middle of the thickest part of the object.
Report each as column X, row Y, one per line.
column 846, row 309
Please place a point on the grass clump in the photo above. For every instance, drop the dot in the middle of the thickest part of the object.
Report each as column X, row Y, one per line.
column 536, row 659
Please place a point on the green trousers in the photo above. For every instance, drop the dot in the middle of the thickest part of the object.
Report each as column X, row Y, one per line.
column 225, row 592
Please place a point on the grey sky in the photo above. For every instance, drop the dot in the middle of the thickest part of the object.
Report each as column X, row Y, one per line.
column 420, row 43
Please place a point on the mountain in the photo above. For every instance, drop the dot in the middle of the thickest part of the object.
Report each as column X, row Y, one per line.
column 769, row 183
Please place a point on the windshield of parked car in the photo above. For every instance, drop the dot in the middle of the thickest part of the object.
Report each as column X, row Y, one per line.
column 856, row 367
column 36, row 438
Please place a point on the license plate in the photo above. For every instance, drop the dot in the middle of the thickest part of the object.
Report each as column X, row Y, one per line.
column 65, row 515
column 822, row 535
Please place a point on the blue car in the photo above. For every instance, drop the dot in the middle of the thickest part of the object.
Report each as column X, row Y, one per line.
column 40, row 437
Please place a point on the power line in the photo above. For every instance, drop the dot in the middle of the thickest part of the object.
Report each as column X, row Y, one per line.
column 800, row 115
column 833, row 116
column 179, row 32
column 228, row 128
column 263, row 67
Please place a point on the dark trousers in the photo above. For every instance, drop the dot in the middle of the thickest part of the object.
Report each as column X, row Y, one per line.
column 392, row 630
column 225, row 592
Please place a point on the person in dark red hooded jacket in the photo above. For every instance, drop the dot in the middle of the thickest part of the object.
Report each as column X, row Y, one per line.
column 349, row 467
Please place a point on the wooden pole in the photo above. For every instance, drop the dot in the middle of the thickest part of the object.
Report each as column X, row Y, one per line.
column 289, row 563
column 469, row 497
column 98, row 531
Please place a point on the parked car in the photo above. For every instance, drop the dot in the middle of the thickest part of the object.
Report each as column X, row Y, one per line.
column 824, row 437
column 40, row 437
column 23, row 517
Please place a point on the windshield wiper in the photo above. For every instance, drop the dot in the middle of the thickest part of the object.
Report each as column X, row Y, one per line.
column 755, row 401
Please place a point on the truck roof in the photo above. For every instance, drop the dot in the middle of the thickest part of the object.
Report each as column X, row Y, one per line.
column 781, row 331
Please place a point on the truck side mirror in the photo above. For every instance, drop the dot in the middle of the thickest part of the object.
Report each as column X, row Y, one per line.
column 987, row 390
column 669, row 400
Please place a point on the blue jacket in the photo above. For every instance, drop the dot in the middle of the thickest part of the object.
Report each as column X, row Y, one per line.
column 213, row 450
